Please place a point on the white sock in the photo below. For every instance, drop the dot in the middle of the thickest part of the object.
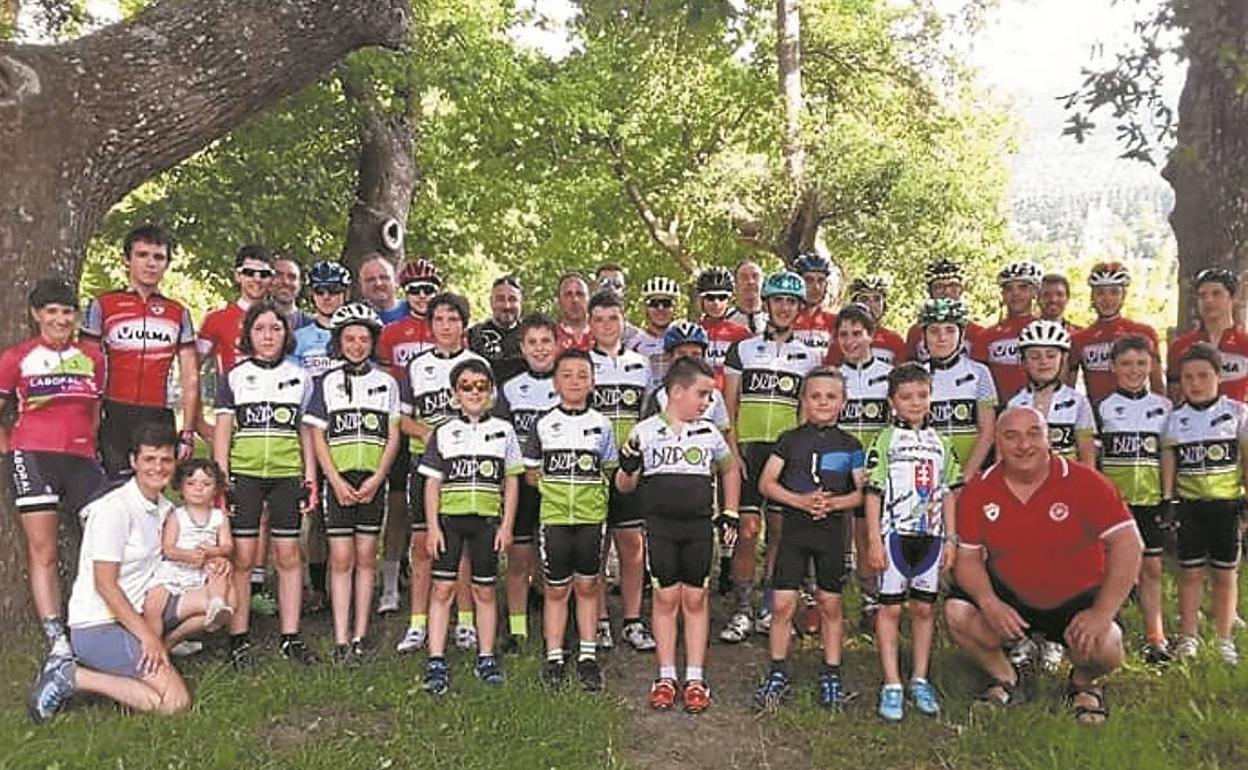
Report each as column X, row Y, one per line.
column 693, row 673
column 667, row 672
column 390, row 578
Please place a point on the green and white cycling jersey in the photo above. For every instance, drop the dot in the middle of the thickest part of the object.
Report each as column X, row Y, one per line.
column 912, row 470
column 425, row 393
column 961, row 390
column 358, row 411
column 1131, row 426
column 1069, row 417
column 620, row 384
column 472, row 458
column 770, row 374
column 266, row 400
column 678, row 466
column 574, row 451
column 1207, row 442
column 866, row 411
column 524, row 398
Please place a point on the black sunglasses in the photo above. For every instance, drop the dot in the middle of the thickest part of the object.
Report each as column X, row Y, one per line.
column 255, row 272
column 322, row 291
column 661, row 303
column 717, row 296
column 424, row 289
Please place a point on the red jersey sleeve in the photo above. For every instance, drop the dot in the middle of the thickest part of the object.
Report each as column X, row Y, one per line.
column 9, row 373
column 385, row 347
column 99, row 366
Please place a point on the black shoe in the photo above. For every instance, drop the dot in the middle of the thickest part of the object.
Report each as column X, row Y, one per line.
column 590, row 675
column 293, row 649
column 242, row 656
column 341, row 656
column 553, row 674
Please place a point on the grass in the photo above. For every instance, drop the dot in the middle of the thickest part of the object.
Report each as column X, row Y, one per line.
column 1193, row 716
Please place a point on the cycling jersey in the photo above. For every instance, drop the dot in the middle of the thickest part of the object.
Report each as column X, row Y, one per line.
column 619, row 388
column 818, row 458
column 1091, row 350
column 678, row 468
column 650, row 347
column 961, row 389
column 566, row 338
column 1131, row 425
column 267, row 401
column 401, row 341
column 716, row 412
column 916, row 346
column 866, row 409
column 997, row 347
column 524, row 398
column 358, row 411
column 312, row 348
column 1069, row 417
column 755, row 322
column 912, row 469
column 425, row 393
column 817, row 328
column 1232, row 345
column 770, row 374
column 472, row 458
column 1207, row 441
column 886, row 345
column 573, row 450
column 499, row 346
column 139, row 339
column 721, row 332
column 220, row 333
column 58, row 396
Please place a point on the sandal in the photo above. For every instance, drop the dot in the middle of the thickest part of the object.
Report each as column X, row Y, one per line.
column 1088, row 716
column 1001, row 693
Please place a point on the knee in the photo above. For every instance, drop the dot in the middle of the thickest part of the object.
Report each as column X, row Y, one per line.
column 483, row 594
column 958, row 616
column 442, row 590
column 557, row 593
column 176, row 698
column 921, row 610
column 1225, row 578
column 783, row 603
column 693, row 599
column 1150, row 568
column 341, row 562
column 287, row 558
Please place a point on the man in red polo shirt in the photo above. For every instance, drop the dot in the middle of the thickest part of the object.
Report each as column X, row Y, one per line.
column 997, row 345
column 1216, row 289
column 1090, row 348
column 1047, row 547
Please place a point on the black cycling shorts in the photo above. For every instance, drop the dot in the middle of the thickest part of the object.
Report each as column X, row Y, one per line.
column 1146, row 521
column 45, row 481
column 350, row 520
column 1051, row 622
column 624, row 510
column 117, row 424
column 754, row 457
column 402, row 465
column 679, row 550
column 249, row 496
column 471, row 533
column 416, row 499
column 1209, row 533
column 803, row 542
column 570, row 551
column 528, row 509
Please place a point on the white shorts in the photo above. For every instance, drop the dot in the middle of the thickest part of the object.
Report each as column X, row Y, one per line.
column 913, row 570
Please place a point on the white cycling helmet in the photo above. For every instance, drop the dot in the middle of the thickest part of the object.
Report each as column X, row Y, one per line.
column 355, row 313
column 1028, row 272
column 1043, row 333
column 1109, row 274
column 660, row 286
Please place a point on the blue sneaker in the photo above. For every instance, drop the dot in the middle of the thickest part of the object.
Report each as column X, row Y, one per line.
column 892, row 700
column 831, row 692
column 772, row 689
column 437, row 677
column 923, row 696
column 488, row 671
column 54, row 686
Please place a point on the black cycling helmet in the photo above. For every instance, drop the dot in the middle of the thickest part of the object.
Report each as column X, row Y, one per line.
column 1217, row 275
column 326, row 274
column 715, row 280
column 812, row 262
column 53, row 291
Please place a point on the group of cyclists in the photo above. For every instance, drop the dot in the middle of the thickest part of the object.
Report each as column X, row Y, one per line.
column 388, row 429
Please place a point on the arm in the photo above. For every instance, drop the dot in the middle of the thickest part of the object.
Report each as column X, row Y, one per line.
column 373, row 483
column 1169, row 471
column 732, row 402
column 986, row 419
column 106, row 574
column 948, row 508
column 433, row 493
column 971, row 574
column 626, row 482
column 532, row 476
column 875, row 540
column 511, row 498
column 188, row 376
column 1085, row 449
column 223, row 432
column 225, row 541
column 416, row 428
column 4, row 429
column 344, row 493
column 1123, row 552
column 771, row 488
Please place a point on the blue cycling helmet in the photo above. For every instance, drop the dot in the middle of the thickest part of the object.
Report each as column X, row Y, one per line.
column 684, row 333
column 784, row 284
column 329, row 274
column 812, row 262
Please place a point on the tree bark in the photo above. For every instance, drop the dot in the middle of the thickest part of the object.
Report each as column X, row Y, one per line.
column 387, row 173
column 1208, row 168
column 85, row 122
column 802, row 220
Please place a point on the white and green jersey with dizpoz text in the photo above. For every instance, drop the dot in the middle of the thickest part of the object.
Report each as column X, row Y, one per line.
column 358, row 411
column 1207, row 443
column 961, row 390
column 267, row 401
column 1131, row 425
column 574, row 452
column 771, row 374
column 471, row 458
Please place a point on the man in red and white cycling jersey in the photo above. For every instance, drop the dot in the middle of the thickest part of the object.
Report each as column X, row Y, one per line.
column 871, row 291
column 998, row 344
column 815, row 325
column 1053, row 298
column 572, row 330
column 220, row 332
column 1216, row 289
column 1090, row 348
column 944, row 281
column 715, row 287
column 140, row 332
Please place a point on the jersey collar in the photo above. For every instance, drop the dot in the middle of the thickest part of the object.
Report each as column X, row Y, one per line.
column 900, row 423
column 260, row 362
column 539, row 375
column 1204, row 405
column 947, row 363
column 445, row 356
column 572, row 412
column 862, row 366
column 1134, row 395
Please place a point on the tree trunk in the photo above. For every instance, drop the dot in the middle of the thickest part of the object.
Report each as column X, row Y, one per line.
column 85, row 122
column 802, row 220
column 387, row 174
column 1208, row 168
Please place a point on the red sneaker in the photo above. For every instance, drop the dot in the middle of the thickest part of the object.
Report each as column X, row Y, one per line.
column 663, row 694
column 697, row 696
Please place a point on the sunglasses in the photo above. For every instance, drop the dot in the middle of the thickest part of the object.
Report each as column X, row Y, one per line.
column 509, row 280
column 422, row 289
column 611, row 283
column 476, row 386
column 255, row 272
column 716, row 296
column 322, row 291
column 660, row 304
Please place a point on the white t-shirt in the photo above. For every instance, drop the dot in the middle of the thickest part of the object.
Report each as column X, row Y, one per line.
column 122, row 526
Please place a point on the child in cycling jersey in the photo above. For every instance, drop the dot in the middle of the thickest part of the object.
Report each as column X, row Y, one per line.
column 673, row 458
column 472, row 470
column 815, row 476
column 196, row 545
column 912, row 475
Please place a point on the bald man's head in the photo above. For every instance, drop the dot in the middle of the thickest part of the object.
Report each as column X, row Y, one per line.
column 1022, row 440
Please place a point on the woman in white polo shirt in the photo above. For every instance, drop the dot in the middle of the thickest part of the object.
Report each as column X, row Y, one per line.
column 118, row 656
